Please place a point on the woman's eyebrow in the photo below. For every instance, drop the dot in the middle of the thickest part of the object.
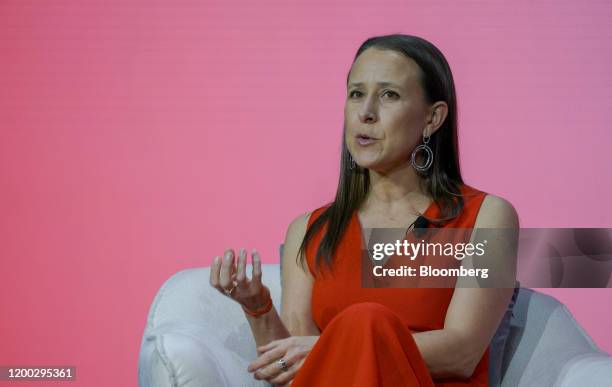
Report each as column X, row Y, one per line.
column 383, row 83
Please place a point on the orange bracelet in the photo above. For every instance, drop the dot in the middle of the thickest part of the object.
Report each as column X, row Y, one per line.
column 263, row 310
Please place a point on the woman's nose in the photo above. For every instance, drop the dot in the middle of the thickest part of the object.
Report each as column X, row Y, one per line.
column 368, row 113
column 368, row 117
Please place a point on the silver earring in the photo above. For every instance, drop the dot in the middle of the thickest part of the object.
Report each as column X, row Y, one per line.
column 423, row 168
column 352, row 163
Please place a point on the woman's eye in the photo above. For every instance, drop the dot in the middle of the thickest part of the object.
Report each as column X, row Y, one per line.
column 393, row 93
column 356, row 93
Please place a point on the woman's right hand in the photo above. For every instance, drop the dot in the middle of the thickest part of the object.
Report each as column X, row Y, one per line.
column 231, row 279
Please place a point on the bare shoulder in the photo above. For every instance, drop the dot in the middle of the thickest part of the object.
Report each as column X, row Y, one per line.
column 297, row 228
column 497, row 212
column 300, row 222
column 295, row 235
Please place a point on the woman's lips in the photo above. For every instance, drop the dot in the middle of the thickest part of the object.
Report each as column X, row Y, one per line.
column 365, row 141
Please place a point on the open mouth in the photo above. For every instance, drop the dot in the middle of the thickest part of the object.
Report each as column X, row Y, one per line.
column 363, row 139
column 366, row 137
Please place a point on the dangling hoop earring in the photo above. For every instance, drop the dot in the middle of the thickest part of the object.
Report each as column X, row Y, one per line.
column 422, row 168
column 352, row 163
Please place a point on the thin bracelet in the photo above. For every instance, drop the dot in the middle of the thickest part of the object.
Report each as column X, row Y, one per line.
column 262, row 310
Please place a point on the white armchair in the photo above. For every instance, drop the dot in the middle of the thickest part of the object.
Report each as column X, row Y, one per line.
column 196, row 337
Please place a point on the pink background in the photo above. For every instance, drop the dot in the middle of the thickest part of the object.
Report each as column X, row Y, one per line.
column 139, row 138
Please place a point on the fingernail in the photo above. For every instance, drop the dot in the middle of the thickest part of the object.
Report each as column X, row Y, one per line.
column 217, row 259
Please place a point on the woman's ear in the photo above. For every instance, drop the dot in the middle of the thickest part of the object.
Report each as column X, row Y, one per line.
column 438, row 113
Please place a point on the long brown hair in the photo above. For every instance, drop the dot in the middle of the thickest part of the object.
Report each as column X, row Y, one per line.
column 443, row 179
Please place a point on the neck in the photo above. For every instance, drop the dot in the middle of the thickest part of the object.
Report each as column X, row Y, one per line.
column 394, row 188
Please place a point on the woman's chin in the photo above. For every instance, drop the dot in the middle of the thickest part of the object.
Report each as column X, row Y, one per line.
column 370, row 166
column 377, row 167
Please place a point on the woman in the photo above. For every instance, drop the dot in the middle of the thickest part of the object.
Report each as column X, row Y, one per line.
column 334, row 332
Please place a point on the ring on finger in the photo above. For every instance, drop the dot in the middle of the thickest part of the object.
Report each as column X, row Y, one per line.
column 282, row 363
column 229, row 292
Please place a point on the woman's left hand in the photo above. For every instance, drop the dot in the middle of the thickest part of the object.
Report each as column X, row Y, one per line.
column 292, row 349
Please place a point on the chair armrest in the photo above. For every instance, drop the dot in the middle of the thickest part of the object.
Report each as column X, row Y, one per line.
column 593, row 370
column 195, row 336
column 544, row 342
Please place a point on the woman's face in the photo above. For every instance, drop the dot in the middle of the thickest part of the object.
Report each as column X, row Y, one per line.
column 385, row 102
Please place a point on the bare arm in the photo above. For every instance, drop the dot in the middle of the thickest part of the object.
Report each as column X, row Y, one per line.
column 297, row 284
column 474, row 313
column 295, row 318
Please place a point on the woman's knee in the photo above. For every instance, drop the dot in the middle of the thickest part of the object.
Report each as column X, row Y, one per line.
column 366, row 312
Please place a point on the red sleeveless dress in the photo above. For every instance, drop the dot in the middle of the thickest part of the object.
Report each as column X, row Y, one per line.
column 366, row 333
